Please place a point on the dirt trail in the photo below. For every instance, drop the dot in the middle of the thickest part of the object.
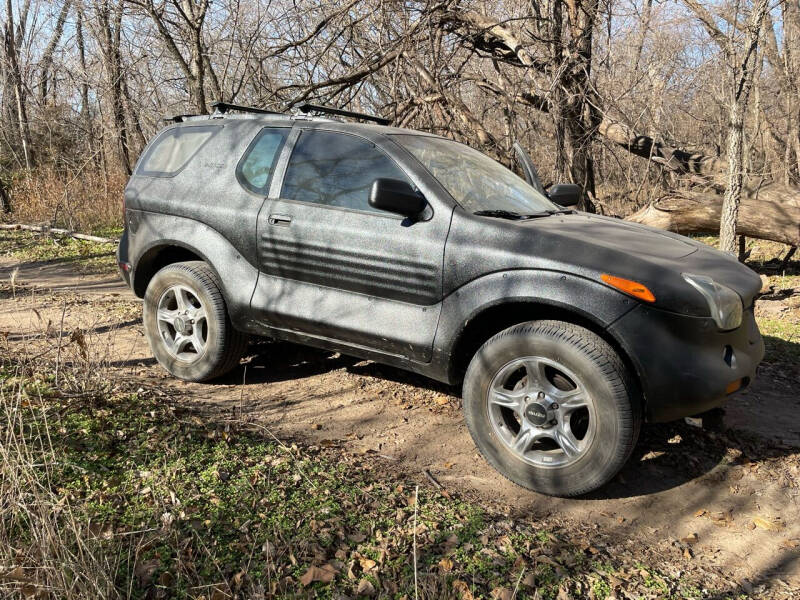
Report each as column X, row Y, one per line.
column 680, row 480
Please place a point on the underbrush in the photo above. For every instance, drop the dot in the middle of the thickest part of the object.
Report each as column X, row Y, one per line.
column 111, row 490
column 86, row 256
column 87, row 201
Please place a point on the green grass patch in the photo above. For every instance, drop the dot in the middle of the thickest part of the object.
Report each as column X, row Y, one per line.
column 88, row 257
column 182, row 504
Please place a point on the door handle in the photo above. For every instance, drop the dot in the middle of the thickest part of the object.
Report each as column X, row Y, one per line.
column 280, row 220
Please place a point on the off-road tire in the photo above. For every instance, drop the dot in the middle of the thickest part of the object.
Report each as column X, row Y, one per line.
column 225, row 345
column 605, row 377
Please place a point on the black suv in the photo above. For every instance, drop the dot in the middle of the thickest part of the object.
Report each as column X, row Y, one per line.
column 567, row 329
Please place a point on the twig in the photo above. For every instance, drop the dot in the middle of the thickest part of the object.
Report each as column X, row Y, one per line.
column 435, row 483
column 516, row 587
column 416, row 502
column 60, row 335
column 432, row 479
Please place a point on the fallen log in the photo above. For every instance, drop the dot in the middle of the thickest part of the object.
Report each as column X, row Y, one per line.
column 67, row 232
column 770, row 213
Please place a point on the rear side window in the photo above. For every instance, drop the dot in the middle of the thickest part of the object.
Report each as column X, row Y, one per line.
column 173, row 149
column 336, row 169
column 258, row 164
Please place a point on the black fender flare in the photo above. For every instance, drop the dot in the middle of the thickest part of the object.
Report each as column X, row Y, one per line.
column 156, row 232
column 591, row 301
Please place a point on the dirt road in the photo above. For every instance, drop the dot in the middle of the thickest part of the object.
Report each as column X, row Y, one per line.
column 734, row 488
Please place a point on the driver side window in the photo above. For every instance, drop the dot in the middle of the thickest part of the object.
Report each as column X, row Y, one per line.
column 336, row 169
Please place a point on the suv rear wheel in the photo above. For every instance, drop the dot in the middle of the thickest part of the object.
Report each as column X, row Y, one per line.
column 550, row 405
column 187, row 324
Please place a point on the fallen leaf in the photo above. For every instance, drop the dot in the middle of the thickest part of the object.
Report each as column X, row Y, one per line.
column 767, row 524
column 790, row 544
column 446, row 565
column 325, row 574
column 701, row 512
column 463, row 589
column 16, row 574
column 28, row 590
column 367, row 564
column 502, row 593
column 365, row 588
column 690, row 539
column 166, row 579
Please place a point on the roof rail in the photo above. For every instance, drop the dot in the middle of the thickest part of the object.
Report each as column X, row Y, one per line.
column 307, row 108
column 223, row 107
column 177, row 118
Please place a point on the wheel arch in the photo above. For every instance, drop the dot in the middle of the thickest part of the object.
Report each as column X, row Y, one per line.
column 159, row 256
column 496, row 317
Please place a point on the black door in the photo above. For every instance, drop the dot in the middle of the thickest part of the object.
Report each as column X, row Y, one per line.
column 334, row 267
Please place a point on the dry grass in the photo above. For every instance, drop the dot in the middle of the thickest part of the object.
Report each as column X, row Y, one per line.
column 84, row 201
column 48, row 548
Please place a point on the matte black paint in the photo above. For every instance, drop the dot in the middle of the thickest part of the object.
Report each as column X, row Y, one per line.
column 403, row 291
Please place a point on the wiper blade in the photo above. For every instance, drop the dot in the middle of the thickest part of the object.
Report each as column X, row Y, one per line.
column 501, row 214
column 509, row 214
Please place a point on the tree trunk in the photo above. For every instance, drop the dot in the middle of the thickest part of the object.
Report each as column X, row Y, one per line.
column 15, row 76
column 771, row 213
column 733, row 191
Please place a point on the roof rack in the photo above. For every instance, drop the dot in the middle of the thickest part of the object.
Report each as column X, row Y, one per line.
column 177, row 118
column 223, row 107
column 307, row 108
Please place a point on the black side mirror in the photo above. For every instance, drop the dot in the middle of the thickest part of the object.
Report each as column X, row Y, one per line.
column 565, row 194
column 396, row 196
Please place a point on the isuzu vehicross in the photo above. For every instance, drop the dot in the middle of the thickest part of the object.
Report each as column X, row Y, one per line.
column 567, row 330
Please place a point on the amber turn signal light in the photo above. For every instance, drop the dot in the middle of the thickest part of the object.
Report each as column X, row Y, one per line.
column 733, row 386
column 633, row 288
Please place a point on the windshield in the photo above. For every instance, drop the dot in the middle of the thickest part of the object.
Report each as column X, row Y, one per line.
column 477, row 182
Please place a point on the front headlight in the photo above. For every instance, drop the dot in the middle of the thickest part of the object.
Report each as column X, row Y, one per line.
column 725, row 304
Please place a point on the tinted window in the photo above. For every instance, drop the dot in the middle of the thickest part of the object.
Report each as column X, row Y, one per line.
column 255, row 169
column 336, row 169
column 173, row 149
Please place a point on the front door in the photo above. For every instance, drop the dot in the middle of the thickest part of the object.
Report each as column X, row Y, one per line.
column 336, row 268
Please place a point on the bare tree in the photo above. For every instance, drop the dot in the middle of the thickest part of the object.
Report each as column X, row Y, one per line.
column 740, row 58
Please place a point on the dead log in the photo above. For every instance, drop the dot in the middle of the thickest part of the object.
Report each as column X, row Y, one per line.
column 66, row 232
column 675, row 159
column 770, row 213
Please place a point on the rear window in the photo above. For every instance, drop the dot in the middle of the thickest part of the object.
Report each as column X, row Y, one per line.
column 173, row 149
column 256, row 168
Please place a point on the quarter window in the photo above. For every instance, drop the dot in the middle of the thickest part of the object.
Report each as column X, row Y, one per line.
column 258, row 164
column 173, row 149
column 336, row 170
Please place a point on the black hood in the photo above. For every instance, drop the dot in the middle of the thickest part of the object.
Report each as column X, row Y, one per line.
column 590, row 245
column 650, row 256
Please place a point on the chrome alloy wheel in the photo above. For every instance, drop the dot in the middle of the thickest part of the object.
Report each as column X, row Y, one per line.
column 541, row 412
column 182, row 323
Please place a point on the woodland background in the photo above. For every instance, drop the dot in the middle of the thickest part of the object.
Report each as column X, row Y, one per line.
column 634, row 100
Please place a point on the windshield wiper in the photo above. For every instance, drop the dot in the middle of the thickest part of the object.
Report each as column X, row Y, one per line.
column 509, row 214
column 500, row 214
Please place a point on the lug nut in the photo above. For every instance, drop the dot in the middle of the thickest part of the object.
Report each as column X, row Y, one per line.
column 541, row 395
column 555, row 406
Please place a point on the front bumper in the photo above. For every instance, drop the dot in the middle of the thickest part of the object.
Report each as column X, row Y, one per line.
column 685, row 364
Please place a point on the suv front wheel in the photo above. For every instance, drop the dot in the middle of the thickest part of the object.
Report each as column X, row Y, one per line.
column 187, row 324
column 551, row 406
